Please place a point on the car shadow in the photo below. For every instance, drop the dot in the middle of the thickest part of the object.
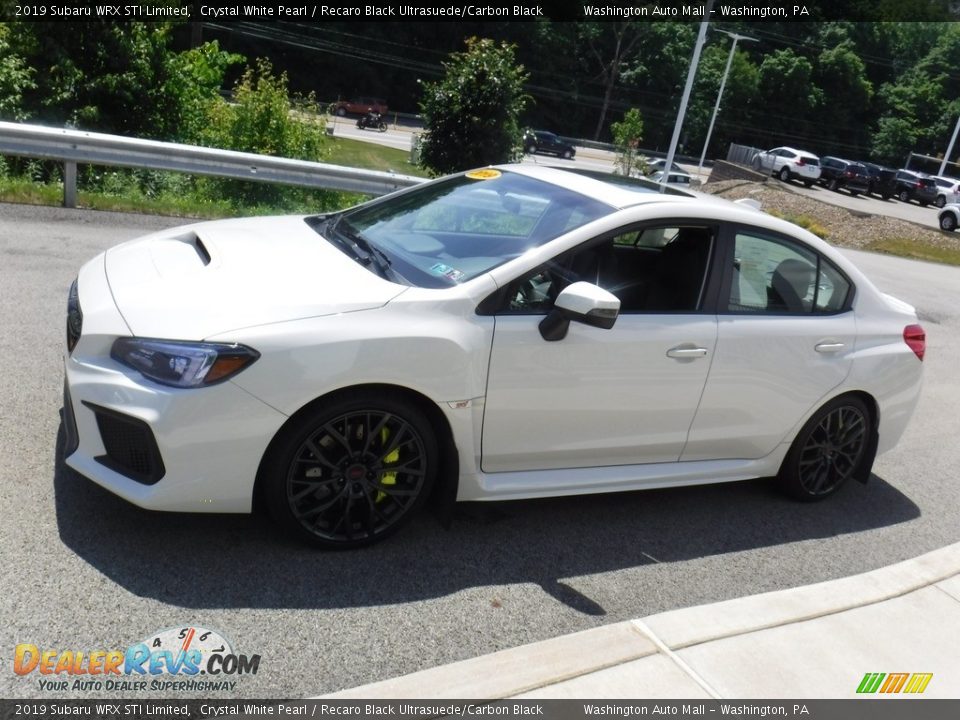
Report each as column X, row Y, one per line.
column 242, row 561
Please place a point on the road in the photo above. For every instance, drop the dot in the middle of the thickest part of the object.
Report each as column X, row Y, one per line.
column 83, row 570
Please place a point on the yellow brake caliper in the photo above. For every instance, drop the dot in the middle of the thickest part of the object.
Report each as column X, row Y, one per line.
column 387, row 478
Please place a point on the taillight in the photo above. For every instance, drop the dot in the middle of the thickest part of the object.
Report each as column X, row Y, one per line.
column 916, row 339
column 801, row 161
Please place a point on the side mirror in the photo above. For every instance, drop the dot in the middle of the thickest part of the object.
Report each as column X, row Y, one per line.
column 583, row 302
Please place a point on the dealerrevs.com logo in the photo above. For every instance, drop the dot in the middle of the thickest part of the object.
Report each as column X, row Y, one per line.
column 184, row 658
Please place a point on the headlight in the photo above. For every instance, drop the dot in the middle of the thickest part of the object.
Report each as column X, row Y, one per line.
column 183, row 364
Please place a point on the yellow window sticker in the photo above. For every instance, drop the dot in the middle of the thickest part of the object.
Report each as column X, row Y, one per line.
column 484, row 174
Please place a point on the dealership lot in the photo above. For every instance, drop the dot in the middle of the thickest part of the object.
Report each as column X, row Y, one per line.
column 88, row 571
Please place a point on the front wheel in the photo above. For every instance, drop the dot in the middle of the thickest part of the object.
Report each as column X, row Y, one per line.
column 352, row 472
column 828, row 450
column 941, row 201
column 785, row 174
column 382, row 126
column 948, row 222
column 833, row 185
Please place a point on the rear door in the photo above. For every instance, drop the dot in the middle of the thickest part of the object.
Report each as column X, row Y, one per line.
column 785, row 339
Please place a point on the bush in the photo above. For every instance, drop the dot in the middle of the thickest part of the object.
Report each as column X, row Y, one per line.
column 472, row 116
column 262, row 119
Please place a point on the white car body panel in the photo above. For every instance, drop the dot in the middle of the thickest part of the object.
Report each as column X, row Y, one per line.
column 528, row 418
column 553, row 405
column 166, row 290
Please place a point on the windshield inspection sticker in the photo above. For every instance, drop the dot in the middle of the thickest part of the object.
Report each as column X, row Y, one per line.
column 447, row 272
column 484, row 174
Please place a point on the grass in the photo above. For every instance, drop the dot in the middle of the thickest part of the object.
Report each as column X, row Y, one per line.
column 805, row 221
column 908, row 248
column 350, row 153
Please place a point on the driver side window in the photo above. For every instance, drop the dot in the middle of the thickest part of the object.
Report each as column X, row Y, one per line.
column 653, row 269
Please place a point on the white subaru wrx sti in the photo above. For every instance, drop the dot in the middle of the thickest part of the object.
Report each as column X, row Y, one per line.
column 511, row 332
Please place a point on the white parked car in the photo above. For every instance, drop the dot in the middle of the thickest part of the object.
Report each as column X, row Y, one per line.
column 948, row 190
column 789, row 164
column 950, row 217
column 512, row 332
column 678, row 179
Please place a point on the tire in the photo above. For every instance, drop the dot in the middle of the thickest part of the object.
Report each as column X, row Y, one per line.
column 948, row 222
column 382, row 127
column 941, row 201
column 808, row 183
column 831, row 448
column 903, row 196
column 784, row 174
column 833, row 185
column 756, row 164
column 923, row 203
column 341, row 112
column 352, row 472
column 567, row 154
column 531, row 148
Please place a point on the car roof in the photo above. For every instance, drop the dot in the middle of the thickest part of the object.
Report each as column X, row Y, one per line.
column 617, row 191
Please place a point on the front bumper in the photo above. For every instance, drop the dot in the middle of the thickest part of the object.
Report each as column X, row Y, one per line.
column 158, row 447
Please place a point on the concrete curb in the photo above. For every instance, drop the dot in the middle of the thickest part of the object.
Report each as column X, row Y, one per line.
column 512, row 672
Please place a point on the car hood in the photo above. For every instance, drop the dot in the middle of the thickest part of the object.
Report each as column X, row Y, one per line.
column 192, row 282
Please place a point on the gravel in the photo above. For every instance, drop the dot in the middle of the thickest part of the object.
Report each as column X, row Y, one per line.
column 838, row 225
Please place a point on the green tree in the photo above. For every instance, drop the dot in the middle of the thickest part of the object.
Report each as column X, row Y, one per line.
column 15, row 79
column 627, row 135
column 472, row 116
column 122, row 78
column 262, row 119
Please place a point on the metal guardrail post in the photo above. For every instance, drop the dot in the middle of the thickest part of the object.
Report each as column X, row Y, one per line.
column 69, row 184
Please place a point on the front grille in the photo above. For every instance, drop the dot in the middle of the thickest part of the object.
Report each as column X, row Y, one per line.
column 131, row 448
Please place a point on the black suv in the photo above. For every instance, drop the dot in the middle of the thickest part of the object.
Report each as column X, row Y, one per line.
column 838, row 173
column 883, row 180
column 541, row 141
column 914, row 186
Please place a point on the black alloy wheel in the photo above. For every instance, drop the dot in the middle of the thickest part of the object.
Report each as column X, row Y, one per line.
column 353, row 473
column 828, row 451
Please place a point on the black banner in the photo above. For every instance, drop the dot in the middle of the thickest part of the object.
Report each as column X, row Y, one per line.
column 872, row 709
column 312, row 11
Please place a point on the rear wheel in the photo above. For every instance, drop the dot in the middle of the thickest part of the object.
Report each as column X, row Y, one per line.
column 903, row 196
column 568, row 154
column 941, row 201
column 828, row 450
column 531, row 148
column 833, row 184
column 352, row 472
column 785, row 174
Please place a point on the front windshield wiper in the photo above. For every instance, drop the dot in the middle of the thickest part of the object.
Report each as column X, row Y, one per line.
column 347, row 240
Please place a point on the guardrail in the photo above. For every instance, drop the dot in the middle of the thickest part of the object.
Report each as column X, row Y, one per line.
column 72, row 147
column 742, row 154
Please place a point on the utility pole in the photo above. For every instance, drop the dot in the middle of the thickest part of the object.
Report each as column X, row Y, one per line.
column 723, row 84
column 691, row 74
column 946, row 157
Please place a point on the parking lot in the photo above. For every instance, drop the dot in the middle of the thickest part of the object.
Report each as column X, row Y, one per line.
column 84, row 570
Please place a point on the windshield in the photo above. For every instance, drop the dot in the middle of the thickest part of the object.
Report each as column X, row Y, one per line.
column 451, row 231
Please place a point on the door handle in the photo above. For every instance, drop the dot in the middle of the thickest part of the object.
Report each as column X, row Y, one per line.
column 685, row 352
column 829, row 347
